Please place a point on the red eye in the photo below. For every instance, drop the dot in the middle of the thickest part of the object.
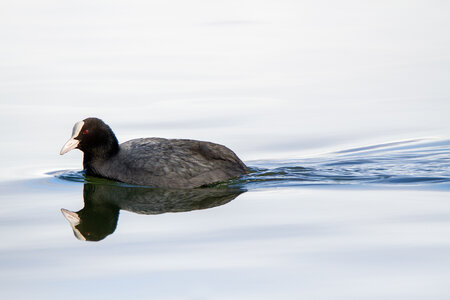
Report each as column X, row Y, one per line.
column 86, row 131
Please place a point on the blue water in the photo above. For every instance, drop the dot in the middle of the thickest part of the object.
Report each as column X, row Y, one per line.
column 407, row 163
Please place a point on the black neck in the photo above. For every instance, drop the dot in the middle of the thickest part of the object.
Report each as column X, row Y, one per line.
column 99, row 154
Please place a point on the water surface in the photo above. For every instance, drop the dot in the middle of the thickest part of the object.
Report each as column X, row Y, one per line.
column 346, row 219
column 341, row 109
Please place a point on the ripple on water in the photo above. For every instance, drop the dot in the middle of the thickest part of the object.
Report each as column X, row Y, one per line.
column 415, row 162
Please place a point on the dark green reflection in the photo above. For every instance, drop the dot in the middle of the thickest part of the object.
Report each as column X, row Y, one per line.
column 102, row 204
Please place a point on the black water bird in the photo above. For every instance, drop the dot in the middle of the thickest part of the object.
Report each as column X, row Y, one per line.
column 156, row 162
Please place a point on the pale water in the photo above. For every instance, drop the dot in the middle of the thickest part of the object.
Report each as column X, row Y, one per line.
column 369, row 222
column 340, row 109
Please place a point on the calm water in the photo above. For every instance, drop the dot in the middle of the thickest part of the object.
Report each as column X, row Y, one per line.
column 341, row 109
column 353, row 220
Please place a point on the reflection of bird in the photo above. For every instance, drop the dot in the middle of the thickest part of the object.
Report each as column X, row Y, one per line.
column 102, row 204
column 153, row 162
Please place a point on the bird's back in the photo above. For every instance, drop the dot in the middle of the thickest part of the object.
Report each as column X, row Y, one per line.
column 172, row 163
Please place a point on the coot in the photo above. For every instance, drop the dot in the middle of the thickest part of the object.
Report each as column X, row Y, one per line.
column 156, row 162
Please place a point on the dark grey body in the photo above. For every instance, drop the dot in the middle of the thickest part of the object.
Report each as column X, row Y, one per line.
column 168, row 163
